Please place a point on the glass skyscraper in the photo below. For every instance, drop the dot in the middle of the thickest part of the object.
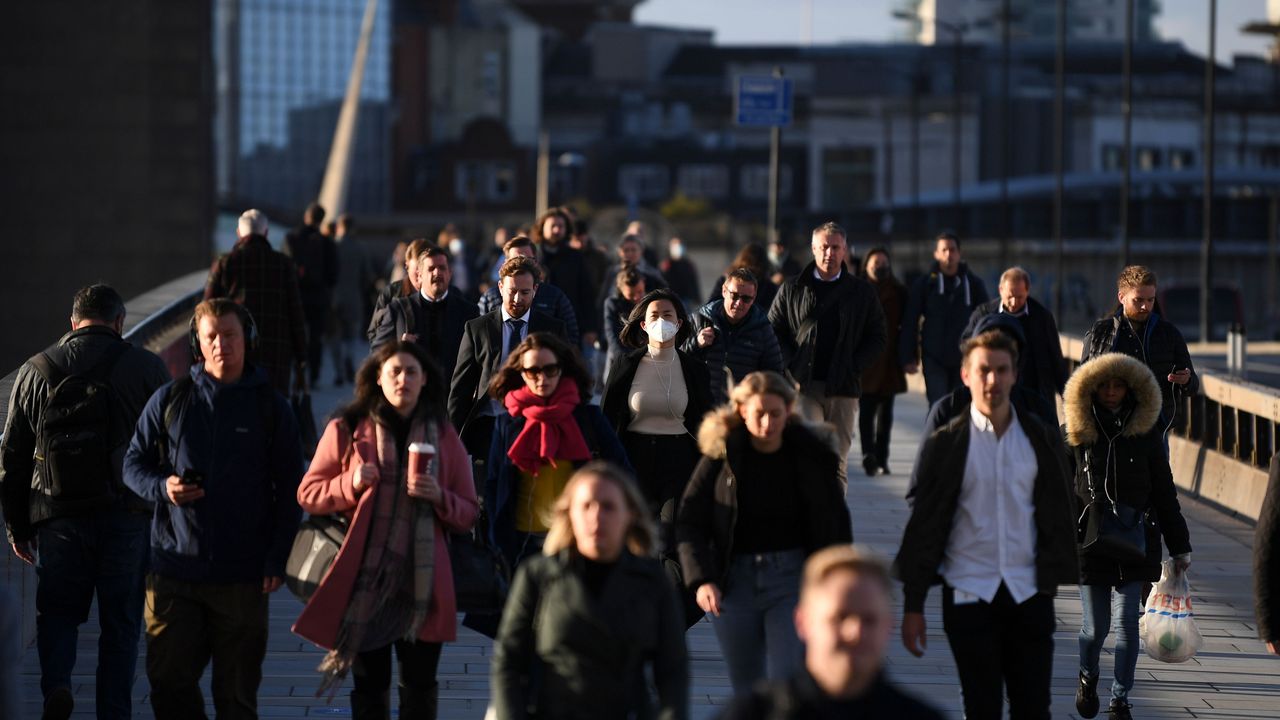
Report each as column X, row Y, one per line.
column 282, row 71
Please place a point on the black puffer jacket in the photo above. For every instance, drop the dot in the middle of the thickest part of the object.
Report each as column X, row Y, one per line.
column 1161, row 347
column 737, row 349
column 136, row 375
column 590, row 652
column 861, row 338
column 946, row 304
column 1124, row 456
column 709, row 509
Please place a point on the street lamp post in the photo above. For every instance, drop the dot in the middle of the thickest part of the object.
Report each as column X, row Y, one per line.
column 1206, row 245
column 1126, row 111
column 957, row 31
column 1059, row 155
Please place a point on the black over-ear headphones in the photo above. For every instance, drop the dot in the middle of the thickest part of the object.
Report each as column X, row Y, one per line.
column 246, row 322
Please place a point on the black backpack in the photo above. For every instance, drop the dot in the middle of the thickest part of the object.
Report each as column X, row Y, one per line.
column 74, row 440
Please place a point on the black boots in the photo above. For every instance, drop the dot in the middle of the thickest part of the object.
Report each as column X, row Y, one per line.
column 1087, row 696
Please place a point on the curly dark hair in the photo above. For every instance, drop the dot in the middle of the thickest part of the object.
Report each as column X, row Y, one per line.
column 509, row 378
column 369, row 397
column 633, row 336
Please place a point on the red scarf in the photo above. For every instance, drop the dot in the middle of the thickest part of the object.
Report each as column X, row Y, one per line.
column 550, row 432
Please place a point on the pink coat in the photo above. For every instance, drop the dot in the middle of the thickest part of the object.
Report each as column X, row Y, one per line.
column 327, row 489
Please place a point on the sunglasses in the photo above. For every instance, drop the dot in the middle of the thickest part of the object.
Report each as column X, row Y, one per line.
column 737, row 297
column 533, row 371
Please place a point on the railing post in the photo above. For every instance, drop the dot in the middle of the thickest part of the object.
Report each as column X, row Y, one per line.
column 1236, row 351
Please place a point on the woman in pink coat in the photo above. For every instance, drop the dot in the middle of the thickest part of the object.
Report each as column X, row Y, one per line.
column 391, row 583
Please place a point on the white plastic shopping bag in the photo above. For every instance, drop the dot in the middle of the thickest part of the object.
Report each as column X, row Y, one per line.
column 1168, row 627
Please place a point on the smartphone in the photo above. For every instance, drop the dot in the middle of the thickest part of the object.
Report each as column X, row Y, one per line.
column 194, row 478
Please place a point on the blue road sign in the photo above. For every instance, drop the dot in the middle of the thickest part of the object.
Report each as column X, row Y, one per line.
column 763, row 101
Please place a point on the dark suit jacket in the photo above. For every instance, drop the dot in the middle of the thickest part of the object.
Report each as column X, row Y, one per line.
column 413, row 314
column 479, row 357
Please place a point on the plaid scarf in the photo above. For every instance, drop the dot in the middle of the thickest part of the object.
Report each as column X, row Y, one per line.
column 395, row 577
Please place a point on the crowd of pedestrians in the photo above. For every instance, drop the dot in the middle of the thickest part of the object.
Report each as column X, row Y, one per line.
column 711, row 477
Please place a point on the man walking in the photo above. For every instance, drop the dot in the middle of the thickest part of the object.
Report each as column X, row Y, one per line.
column 65, row 506
column 1137, row 330
column 317, row 260
column 434, row 316
column 733, row 336
column 486, row 343
column 1043, row 370
column 549, row 299
column 844, row 618
column 945, row 298
column 218, row 453
column 830, row 327
column 265, row 282
column 992, row 519
column 356, row 280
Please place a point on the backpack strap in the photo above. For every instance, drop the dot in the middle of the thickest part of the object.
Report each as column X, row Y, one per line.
column 50, row 371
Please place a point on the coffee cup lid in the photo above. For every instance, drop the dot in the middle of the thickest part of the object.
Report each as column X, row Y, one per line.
column 422, row 447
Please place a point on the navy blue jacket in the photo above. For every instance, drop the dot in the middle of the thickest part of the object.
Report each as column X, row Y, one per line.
column 504, row 476
column 737, row 349
column 242, row 529
column 946, row 304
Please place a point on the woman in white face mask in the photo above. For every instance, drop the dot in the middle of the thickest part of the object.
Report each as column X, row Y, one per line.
column 655, row 399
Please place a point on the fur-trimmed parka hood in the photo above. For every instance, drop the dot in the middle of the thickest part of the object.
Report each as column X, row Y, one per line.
column 1077, row 399
column 713, row 434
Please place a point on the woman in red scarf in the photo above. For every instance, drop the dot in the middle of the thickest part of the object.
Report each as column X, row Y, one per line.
column 549, row 430
column 391, row 583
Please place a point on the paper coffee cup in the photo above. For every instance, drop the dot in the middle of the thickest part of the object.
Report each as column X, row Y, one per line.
column 420, row 455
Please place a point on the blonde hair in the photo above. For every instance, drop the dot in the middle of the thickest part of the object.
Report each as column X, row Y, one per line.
column 640, row 535
column 854, row 558
column 760, row 382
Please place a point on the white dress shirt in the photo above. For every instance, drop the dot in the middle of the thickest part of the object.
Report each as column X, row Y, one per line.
column 993, row 536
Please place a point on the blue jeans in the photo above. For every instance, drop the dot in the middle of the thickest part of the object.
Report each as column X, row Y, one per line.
column 1102, row 608
column 756, row 623
column 104, row 553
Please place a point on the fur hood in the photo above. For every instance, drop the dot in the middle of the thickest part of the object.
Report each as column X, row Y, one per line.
column 1077, row 399
column 713, row 434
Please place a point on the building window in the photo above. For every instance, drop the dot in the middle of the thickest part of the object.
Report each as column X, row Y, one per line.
column 1181, row 158
column 703, row 180
column 1112, row 157
column 485, row 181
column 848, row 177
column 644, row 181
column 753, row 181
column 1147, row 158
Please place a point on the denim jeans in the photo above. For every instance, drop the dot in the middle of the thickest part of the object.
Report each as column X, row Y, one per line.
column 106, row 554
column 756, row 623
column 1102, row 608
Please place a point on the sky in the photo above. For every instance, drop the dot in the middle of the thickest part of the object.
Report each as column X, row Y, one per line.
column 833, row 21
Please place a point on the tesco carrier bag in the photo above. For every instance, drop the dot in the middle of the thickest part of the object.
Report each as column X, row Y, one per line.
column 1168, row 626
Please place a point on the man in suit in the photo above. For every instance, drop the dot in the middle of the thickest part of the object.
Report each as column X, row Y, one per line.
column 433, row 317
column 486, row 342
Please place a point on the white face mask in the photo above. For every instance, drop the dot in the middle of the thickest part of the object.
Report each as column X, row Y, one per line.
column 456, row 246
column 660, row 330
column 677, row 252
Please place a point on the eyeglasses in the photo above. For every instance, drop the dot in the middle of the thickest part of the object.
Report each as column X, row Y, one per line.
column 738, row 297
column 533, row 371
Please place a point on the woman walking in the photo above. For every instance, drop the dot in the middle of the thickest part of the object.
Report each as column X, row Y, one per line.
column 391, row 583
column 549, row 430
column 1112, row 403
column 584, row 620
column 655, row 399
column 764, row 496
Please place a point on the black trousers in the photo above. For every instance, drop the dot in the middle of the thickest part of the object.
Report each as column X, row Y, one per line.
column 875, row 420
column 419, row 691
column 1002, row 647
column 663, row 464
